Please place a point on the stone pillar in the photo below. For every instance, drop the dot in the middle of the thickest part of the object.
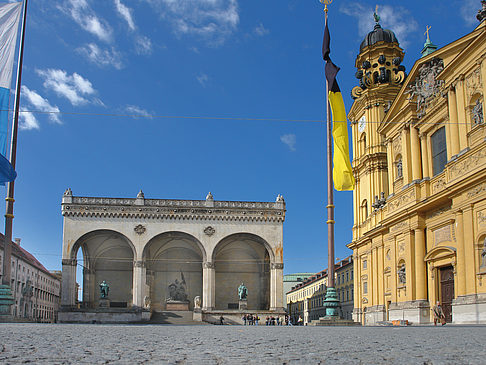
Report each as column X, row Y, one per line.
column 138, row 283
column 425, row 156
column 461, row 112
column 405, row 157
column 415, row 152
column 88, row 284
column 469, row 254
column 276, row 286
column 209, row 283
column 68, row 295
column 391, row 166
column 461, row 259
column 452, row 131
column 420, row 269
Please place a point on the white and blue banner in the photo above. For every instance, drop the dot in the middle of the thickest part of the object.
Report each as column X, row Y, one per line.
column 9, row 26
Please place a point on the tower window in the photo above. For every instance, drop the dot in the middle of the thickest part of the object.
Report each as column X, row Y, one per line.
column 439, row 150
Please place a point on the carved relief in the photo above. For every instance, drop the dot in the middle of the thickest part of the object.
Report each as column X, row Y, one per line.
column 401, row 247
column 477, row 113
column 388, row 254
column 140, row 229
column 473, row 83
column 481, row 217
column 443, row 234
column 402, row 274
column 397, row 145
column 476, row 190
column 439, row 212
column 426, row 87
column 399, row 227
column 438, row 185
column 399, row 201
column 209, row 265
column 209, row 231
column 277, row 266
column 459, row 169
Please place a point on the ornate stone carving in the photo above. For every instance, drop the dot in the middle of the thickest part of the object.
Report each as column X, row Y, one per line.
column 443, row 234
column 473, row 83
column 477, row 113
column 277, row 266
column 140, row 229
column 426, row 86
column 481, row 218
column 397, row 145
column 399, row 227
column 140, row 195
column 399, row 201
column 138, row 263
column 483, row 255
column 399, row 169
column 379, row 203
column 438, row 185
column 476, row 190
column 209, row 231
column 482, row 12
column 209, row 196
column 209, row 265
column 402, row 275
column 439, row 212
column 472, row 162
column 68, row 192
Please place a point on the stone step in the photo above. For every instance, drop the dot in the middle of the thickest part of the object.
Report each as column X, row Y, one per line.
column 174, row 317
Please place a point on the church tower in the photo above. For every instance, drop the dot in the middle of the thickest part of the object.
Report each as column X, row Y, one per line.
column 380, row 76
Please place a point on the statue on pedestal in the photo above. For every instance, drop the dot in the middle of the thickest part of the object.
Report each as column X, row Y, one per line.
column 242, row 292
column 104, row 289
column 177, row 290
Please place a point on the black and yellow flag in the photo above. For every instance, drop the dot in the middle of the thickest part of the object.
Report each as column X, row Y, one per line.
column 342, row 170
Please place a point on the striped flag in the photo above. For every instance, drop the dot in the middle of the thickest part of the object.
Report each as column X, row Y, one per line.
column 9, row 25
column 342, row 170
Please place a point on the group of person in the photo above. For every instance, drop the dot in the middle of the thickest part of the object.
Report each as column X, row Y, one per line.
column 439, row 316
column 250, row 319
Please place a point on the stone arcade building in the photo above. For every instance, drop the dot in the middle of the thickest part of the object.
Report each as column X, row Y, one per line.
column 140, row 246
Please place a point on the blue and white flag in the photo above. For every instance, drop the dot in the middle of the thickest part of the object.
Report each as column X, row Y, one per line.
column 9, row 25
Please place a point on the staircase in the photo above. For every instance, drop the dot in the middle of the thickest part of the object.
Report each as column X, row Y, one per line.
column 174, row 318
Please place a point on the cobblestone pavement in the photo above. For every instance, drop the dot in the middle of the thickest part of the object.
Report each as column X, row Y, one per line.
column 152, row 344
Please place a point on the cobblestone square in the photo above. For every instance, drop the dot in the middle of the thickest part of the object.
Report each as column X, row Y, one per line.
column 166, row 344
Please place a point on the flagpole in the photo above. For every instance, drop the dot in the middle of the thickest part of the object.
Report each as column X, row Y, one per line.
column 13, row 158
column 331, row 303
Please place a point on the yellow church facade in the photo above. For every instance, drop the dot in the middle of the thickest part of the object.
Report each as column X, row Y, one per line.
column 419, row 147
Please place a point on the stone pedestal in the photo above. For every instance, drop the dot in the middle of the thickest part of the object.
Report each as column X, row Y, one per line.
column 6, row 301
column 243, row 305
column 177, row 305
column 104, row 303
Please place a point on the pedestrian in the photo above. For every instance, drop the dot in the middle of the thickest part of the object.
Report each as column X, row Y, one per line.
column 221, row 320
column 300, row 321
column 256, row 320
column 438, row 314
column 266, row 321
column 278, row 321
column 244, row 319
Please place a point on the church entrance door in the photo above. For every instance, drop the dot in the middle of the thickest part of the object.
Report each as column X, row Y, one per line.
column 447, row 291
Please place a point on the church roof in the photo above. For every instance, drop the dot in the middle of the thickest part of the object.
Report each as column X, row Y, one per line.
column 378, row 34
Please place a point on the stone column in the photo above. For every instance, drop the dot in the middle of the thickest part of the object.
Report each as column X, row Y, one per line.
column 68, row 295
column 420, row 270
column 461, row 259
column 209, row 283
column 391, row 166
column 88, row 284
column 452, row 126
column 276, row 286
column 138, row 283
column 415, row 152
column 425, row 156
column 405, row 157
column 461, row 111
column 469, row 254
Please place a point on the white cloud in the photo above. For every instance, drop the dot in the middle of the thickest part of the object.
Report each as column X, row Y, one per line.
column 212, row 20
column 102, row 57
column 37, row 102
column 143, row 45
column 260, row 30
column 203, row 79
column 73, row 87
column 27, row 121
column 137, row 111
column 290, row 140
column 126, row 13
column 396, row 18
column 87, row 19
column 469, row 9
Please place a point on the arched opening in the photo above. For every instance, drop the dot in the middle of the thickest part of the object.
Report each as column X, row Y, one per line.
column 398, row 167
column 106, row 256
column 242, row 258
column 169, row 257
column 362, row 144
column 364, row 210
column 476, row 110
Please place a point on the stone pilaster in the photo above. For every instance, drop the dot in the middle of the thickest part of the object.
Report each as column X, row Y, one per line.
column 276, row 286
column 68, row 296
column 209, row 284
column 139, row 272
column 420, row 270
column 415, row 154
column 452, row 130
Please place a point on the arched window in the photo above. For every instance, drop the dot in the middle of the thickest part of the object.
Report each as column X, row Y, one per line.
column 439, row 150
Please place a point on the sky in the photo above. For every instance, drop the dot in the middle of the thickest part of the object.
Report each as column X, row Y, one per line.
column 99, row 76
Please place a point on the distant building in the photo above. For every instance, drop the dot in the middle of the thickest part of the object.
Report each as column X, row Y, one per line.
column 36, row 291
column 291, row 280
column 306, row 299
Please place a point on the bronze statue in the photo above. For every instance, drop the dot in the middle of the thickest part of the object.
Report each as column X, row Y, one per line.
column 104, row 289
column 242, row 292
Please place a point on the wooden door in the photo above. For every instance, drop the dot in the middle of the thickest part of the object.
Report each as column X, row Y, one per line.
column 447, row 291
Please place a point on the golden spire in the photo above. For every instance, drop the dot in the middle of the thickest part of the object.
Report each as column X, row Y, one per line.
column 326, row 3
column 427, row 31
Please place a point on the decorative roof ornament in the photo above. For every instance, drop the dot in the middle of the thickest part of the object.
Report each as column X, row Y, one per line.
column 140, row 195
column 68, row 192
column 429, row 47
column 280, row 199
column 209, row 196
column 482, row 13
column 376, row 16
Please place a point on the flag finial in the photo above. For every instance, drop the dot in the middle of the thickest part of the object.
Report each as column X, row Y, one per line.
column 326, row 3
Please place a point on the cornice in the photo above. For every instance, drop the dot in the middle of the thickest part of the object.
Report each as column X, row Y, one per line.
column 162, row 209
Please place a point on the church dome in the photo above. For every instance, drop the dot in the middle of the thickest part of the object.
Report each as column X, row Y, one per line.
column 378, row 34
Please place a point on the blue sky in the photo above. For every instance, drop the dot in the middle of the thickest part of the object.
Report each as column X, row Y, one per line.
column 137, row 60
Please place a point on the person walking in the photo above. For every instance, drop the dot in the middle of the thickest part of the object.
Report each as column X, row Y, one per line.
column 221, row 320
column 439, row 315
column 244, row 319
